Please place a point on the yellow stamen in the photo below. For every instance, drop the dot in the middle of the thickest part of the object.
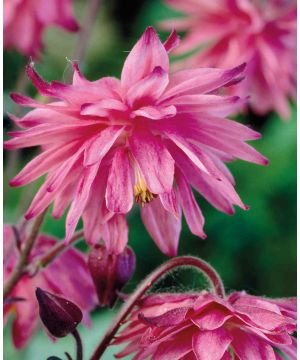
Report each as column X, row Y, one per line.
column 141, row 193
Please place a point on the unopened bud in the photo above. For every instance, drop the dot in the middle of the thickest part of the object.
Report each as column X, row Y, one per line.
column 60, row 316
column 110, row 272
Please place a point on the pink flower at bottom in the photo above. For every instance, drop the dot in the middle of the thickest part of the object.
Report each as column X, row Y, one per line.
column 67, row 276
column 205, row 327
column 146, row 138
column 26, row 20
column 229, row 32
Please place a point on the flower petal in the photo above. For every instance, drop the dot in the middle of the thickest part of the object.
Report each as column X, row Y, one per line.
column 150, row 87
column 99, row 145
column 147, row 53
column 211, row 344
column 79, row 201
column 115, row 234
column 162, row 226
column 119, row 190
column 191, row 210
column 154, row 160
column 249, row 347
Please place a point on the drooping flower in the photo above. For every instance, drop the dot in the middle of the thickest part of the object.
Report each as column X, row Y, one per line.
column 59, row 315
column 149, row 136
column 206, row 327
column 110, row 272
column 228, row 32
column 25, row 21
column 67, row 275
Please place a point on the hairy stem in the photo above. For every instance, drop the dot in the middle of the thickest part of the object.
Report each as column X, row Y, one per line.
column 24, row 254
column 79, row 349
column 147, row 283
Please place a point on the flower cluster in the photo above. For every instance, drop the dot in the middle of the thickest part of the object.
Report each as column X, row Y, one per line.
column 148, row 137
column 25, row 21
column 261, row 33
column 67, row 275
column 206, row 327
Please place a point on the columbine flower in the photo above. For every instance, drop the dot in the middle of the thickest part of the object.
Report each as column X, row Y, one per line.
column 148, row 137
column 206, row 327
column 25, row 21
column 67, row 275
column 261, row 33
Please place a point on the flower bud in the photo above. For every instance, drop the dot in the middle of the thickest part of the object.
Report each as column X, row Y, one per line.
column 60, row 316
column 110, row 272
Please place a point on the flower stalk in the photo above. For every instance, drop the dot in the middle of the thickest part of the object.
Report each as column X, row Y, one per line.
column 57, row 249
column 79, row 352
column 211, row 275
column 24, row 254
column 84, row 35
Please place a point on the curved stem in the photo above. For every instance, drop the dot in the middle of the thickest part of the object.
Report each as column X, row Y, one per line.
column 147, row 283
column 79, row 351
column 24, row 254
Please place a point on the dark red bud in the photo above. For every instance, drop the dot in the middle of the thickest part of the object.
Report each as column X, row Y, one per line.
column 110, row 272
column 59, row 315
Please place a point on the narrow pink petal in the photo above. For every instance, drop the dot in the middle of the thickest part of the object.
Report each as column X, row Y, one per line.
column 191, row 210
column 170, row 202
column 188, row 149
column 154, row 160
column 162, row 226
column 42, row 199
column 60, row 175
column 115, row 234
column 156, row 112
column 119, row 190
column 151, row 87
column 172, row 41
column 202, row 185
column 212, row 104
column 79, row 201
column 102, row 108
column 212, row 344
column 249, row 347
column 64, row 197
column 95, row 213
column 147, row 53
column 99, row 145
column 175, row 350
column 43, row 163
column 203, row 81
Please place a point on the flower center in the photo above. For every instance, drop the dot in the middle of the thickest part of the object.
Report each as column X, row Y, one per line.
column 141, row 193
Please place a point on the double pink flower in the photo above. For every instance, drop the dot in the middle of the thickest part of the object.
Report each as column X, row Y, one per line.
column 229, row 32
column 25, row 21
column 148, row 137
column 67, row 276
column 206, row 327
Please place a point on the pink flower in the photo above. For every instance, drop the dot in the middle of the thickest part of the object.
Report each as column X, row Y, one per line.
column 67, row 275
column 206, row 327
column 25, row 21
column 149, row 136
column 261, row 33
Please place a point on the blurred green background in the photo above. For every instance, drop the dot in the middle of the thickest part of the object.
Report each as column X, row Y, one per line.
column 253, row 250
